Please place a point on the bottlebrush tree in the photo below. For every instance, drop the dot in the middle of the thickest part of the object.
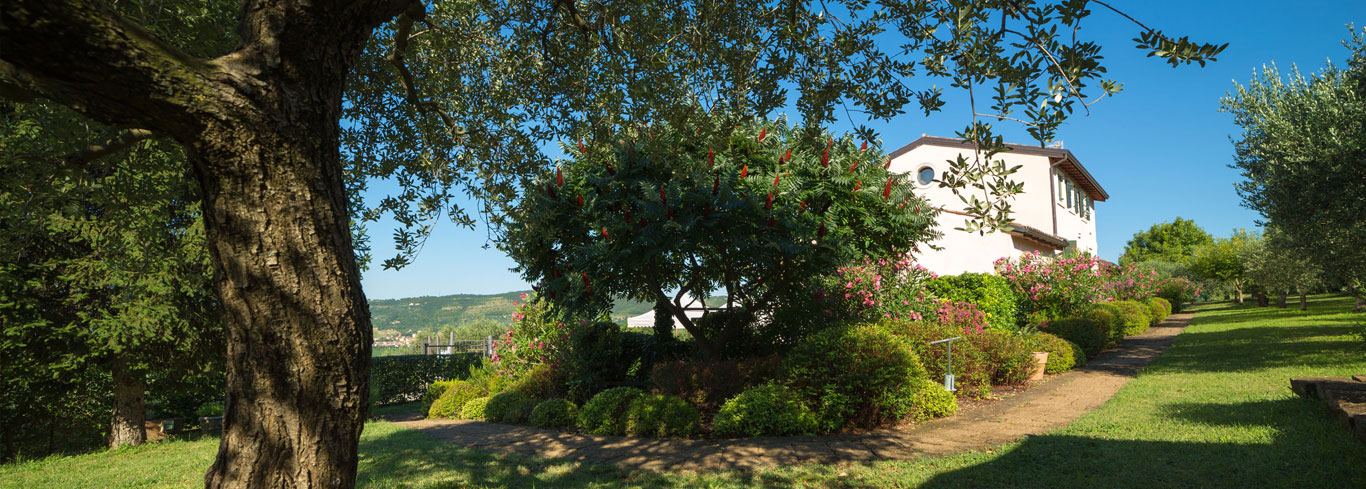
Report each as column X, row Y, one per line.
column 754, row 209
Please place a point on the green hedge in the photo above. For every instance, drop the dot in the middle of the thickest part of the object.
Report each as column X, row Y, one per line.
column 990, row 293
column 404, row 378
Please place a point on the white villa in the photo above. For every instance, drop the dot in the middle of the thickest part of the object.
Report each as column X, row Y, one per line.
column 1055, row 212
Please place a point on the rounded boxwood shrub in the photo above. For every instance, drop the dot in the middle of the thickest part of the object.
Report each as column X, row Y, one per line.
column 1159, row 308
column 1009, row 356
column 765, row 410
column 858, row 376
column 602, row 415
column 1084, row 332
column 434, row 392
column 553, row 413
column 972, row 374
column 1061, row 355
column 474, row 409
column 661, row 416
column 1134, row 318
column 509, row 407
column 932, row 400
column 1109, row 318
column 990, row 293
column 457, row 393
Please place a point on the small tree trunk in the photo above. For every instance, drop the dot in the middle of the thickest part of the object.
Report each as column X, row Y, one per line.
column 1361, row 304
column 127, row 426
column 1280, row 301
column 1304, row 301
column 1238, row 291
column 664, row 323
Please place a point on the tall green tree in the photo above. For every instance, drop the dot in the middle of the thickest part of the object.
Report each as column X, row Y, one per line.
column 1222, row 261
column 1302, row 155
column 125, row 278
column 1172, row 242
column 455, row 96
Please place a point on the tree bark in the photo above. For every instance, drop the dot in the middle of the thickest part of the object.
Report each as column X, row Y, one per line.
column 297, row 322
column 1304, row 301
column 1361, row 304
column 127, row 426
column 1280, row 300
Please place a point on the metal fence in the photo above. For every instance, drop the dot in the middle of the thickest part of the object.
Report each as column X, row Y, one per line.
column 451, row 347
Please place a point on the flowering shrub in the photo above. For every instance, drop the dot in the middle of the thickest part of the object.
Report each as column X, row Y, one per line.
column 965, row 316
column 1178, row 291
column 1055, row 287
column 536, row 335
column 885, row 288
column 1130, row 283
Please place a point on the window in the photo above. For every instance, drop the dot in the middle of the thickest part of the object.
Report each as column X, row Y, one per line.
column 1062, row 188
column 1070, row 192
column 925, row 175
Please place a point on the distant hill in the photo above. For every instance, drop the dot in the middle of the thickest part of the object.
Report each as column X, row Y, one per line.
column 427, row 313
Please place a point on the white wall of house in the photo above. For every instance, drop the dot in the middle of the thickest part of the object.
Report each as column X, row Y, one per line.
column 1043, row 205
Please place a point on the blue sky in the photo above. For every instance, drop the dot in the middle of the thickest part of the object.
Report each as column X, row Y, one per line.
column 1160, row 148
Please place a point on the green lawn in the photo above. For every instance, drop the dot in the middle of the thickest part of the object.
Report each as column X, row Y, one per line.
column 1214, row 411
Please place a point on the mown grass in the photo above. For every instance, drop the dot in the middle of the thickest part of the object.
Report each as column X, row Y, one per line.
column 1214, row 411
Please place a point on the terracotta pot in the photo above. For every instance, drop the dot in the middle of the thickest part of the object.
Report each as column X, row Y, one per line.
column 1041, row 359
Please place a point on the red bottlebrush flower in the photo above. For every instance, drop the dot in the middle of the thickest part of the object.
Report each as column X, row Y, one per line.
column 744, row 172
column 580, row 200
column 716, row 186
column 786, row 156
column 825, row 158
column 864, row 147
column 768, row 205
column 820, row 233
column 628, row 216
column 775, row 180
column 802, row 207
column 586, row 281
column 887, row 191
column 853, row 167
column 858, row 185
column 582, row 149
column 917, row 210
column 888, row 164
column 605, row 235
column 559, row 177
column 706, row 211
column 763, row 132
column 771, row 222
column 550, row 190
column 664, row 199
column 711, row 159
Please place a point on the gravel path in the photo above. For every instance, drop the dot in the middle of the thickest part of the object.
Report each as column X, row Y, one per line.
column 1047, row 405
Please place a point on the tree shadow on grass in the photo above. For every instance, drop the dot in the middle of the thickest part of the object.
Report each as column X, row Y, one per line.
column 1306, row 449
column 412, row 459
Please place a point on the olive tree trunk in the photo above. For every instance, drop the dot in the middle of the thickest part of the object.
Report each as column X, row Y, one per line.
column 128, row 424
column 260, row 126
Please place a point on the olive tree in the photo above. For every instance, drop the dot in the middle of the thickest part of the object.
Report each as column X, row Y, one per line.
column 1302, row 155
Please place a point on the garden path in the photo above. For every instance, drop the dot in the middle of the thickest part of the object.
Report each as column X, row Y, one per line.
column 1047, row 405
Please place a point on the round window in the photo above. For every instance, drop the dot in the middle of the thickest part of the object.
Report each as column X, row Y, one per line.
column 926, row 175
